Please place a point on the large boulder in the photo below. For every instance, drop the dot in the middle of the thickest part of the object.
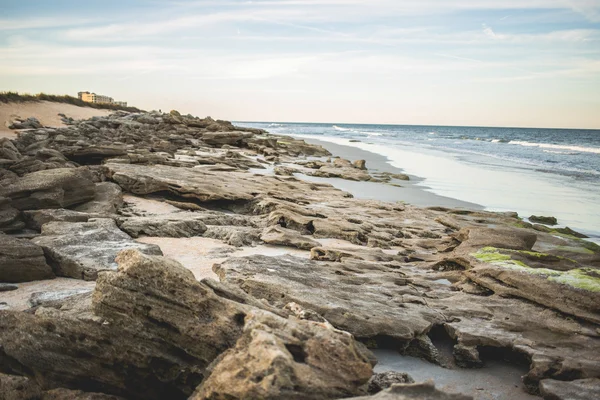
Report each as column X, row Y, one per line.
column 53, row 188
column 82, row 249
column 22, row 261
column 282, row 359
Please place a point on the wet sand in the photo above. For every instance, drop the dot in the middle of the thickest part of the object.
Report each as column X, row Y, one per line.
column 412, row 192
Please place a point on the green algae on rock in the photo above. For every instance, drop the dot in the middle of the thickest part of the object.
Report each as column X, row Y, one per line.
column 580, row 278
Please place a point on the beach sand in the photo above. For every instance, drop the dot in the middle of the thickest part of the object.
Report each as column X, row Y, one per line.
column 45, row 111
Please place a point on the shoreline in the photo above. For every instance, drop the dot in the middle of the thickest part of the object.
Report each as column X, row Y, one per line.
column 411, row 191
column 424, row 196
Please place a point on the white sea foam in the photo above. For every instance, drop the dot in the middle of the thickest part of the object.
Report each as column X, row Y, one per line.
column 337, row 128
column 568, row 153
column 581, row 149
column 369, row 133
column 432, row 133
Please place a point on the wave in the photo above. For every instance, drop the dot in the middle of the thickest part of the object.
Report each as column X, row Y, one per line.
column 580, row 149
column 337, row 128
column 274, row 125
column 432, row 133
column 368, row 133
column 568, row 153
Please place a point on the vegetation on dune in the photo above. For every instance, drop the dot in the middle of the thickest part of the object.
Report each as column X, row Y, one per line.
column 16, row 97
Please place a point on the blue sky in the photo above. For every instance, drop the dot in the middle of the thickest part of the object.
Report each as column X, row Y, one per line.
column 447, row 62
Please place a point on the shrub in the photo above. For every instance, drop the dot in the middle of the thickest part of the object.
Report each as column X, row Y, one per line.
column 16, row 97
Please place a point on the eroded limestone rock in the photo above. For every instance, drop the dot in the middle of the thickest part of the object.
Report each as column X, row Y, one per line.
column 22, row 261
column 82, row 249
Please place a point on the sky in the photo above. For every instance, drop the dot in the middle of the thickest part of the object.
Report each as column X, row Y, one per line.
column 529, row 63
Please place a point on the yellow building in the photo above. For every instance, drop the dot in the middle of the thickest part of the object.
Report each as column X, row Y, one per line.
column 98, row 98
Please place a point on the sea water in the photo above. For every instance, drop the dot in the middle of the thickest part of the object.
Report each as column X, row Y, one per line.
column 553, row 172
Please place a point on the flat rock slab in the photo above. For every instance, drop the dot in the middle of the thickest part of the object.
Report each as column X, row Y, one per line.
column 213, row 186
column 580, row 389
column 414, row 391
column 362, row 303
column 180, row 224
column 82, row 249
column 22, row 261
column 35, row 219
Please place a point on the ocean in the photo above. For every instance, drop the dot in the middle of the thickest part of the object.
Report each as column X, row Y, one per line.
column 532, row 171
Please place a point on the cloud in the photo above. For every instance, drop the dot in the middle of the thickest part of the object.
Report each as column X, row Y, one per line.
column 489, row 32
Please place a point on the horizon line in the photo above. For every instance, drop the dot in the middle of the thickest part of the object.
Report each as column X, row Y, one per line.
column 428, row 125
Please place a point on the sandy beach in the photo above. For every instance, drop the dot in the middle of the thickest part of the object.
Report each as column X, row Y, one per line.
column 45, row 111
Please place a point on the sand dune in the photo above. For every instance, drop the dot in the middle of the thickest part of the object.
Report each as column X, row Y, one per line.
column 45, row 111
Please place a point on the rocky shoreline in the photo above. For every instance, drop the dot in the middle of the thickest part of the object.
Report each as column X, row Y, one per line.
column 109, row 228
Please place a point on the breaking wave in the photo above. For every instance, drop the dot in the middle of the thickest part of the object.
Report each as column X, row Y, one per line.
column 579, row 149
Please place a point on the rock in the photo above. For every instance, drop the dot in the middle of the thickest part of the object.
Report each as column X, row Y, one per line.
column 568, row 231
column 413, row 391
column 180, row 224
column 237, row 236
column 575, row 291
column 14, row 387
column 329, row 289
column 29, row 123
column 185, row 205
column 384, row 380
column 360, row 164
column 282, row 359
column 9, row 216
column 54, row 299
column 504, row 238
column 68, row 246
column 339, row 162
column 67, row 394
column 54, row 188
column 108, row 199
column 579, row 389
column 158, row 330
column 284, row 171
column 342, row 171
column 221, row 138
column 35, row 219
column 7, row 287
column 286, row 237
column 543, row 220
column 22, row 261
column 8, row 151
